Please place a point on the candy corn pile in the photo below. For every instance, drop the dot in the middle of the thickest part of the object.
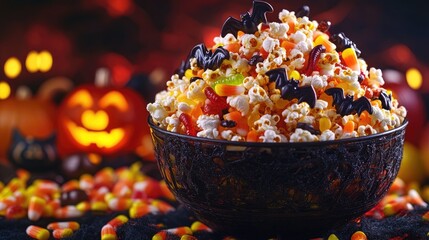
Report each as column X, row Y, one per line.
column 124, row 203
column 287, row 81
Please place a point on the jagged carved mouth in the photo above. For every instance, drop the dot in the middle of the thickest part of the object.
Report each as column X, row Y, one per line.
column 103, row 139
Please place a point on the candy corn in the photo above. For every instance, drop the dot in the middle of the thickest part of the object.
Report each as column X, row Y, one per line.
column 37, row 232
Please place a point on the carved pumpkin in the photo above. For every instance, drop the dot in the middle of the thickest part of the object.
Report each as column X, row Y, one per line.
column 103, row 120
column 32, row 117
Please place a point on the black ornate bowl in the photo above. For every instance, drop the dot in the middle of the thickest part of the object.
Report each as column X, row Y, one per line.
column 278, row 189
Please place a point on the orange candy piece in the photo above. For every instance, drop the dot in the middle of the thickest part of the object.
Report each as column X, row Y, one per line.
column 359, row 235
column 108, row 233
column 288, row 45
column 350, row 59
column 242, row 127
column 252, row 136
column 233, row 47
column 37, row 232
column 365, row 118
column 323, row 39
column 228, row 90
column 349, row 127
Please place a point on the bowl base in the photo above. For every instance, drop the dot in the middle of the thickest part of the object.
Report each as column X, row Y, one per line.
column 251, row 226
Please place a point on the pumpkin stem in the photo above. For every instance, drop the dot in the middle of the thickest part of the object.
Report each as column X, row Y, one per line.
column 52, row 86
column 23, row 92
column 102, row 77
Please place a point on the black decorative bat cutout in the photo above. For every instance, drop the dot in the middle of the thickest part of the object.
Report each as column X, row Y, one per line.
column 386, row 100
column 342, row 42
column 206, row 59
column 304, row 11
column 308, row 127
column 290, row 89
column 345, row 104
column 249, row 22
column 182, row 68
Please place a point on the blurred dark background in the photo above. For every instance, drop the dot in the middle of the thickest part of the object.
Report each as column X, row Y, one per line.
column 140, row 35
column 147, row 40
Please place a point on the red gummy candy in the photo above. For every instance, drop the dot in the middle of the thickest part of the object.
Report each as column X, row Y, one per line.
column 186, row 119
column 211, row 108
column 214, row 98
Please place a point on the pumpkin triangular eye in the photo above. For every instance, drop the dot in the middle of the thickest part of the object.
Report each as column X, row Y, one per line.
column 114, row 98
column 80, row 98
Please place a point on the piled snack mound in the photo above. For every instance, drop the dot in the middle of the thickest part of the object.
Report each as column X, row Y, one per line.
column 287, row 81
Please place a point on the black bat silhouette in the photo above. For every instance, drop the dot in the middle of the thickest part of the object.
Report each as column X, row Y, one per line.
column 206, row 59
column 386, row 100
column 182, row 68
column 290, row 89
column 308, row 127
column 304, row 11
column 249, row 22
column 345, row 104
column 342, row 42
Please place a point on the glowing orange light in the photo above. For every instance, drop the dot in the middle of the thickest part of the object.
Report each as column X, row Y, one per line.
column 95, row 120
column 82, row 98
column 116, row 99
column 12, row 67
column 414, row 78
column 94, row 158
column 4, row 90
column 31, row 63
column 45, row 61
column 101, row 139
column 39, row 61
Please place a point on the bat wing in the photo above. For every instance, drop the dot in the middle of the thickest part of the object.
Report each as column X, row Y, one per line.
column 215, row 60
column 199, row 52
column 362, row 104
column 231, row 25
column 304, row 11
column 337, row 95
column 306, row 94
column 386, row 100
column 260, row 8
column 278, row 76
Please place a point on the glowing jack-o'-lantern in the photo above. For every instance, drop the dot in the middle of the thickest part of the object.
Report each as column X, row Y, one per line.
column 103, row 120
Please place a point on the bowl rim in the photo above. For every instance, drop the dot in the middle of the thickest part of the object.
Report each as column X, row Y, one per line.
column 152, row 125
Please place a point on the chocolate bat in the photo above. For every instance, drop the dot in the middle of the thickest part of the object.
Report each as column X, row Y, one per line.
column 182, row 68
column 345, row 104
column 342, row 42
column 308, row 127
column 206, row 59
column 386, row 100
column 290, row 89
column 304, row 11
column 249, row 22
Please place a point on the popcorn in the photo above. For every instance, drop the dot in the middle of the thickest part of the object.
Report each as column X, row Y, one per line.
column 240, row 102
column 269, row 44
column 375, row 77
column 272, row 136
column 209, row 125
column 278, row 30
column 318, row 82
column 327, row 135
column 231, row 94
column 195, row 90
column 258, row 95
column 302, row 136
